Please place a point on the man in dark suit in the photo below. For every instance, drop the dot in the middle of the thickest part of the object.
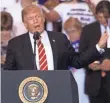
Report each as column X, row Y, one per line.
column 98, row 72
column 59, row 52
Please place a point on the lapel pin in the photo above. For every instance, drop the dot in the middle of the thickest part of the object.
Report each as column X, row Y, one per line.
column 53, row 40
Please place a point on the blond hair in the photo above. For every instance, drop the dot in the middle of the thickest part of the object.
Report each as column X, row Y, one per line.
column 30, row 8
column 72, row 23
column 6, row 21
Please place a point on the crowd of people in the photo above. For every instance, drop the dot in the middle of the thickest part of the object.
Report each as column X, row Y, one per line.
column 74, row 34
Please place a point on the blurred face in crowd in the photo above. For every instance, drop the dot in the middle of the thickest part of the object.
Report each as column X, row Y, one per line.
column 5, row 37
column 74, row 34
column 34, row 19
column 73, row 28
column 102, row 18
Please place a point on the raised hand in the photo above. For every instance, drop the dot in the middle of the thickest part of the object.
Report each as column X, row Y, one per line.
column 105, row 65
column 95, row 66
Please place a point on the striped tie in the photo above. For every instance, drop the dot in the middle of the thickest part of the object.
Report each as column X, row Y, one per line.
column 42, row 56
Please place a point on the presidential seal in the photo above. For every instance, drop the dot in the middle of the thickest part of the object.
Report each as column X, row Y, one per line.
column 33, row 90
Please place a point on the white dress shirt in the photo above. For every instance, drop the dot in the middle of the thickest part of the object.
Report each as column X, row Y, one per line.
column 48, row 50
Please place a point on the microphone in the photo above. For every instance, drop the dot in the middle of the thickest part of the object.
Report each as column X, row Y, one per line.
column 36, row 36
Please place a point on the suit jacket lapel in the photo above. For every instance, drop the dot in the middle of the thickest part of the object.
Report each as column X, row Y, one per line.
column 97, row 33
column 98, row 30
column 28, row 52
column 54, row 49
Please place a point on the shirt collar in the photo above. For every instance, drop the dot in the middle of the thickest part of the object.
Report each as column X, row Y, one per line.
column 103, row 29
column 43, row 35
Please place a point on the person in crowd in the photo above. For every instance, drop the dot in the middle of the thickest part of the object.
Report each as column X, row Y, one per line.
column 74, row 8
column 52, row 26
column 15, row 11
column 98, row 72
column 73, row 29
column 6, row 33
column 53, row 49
column 92, row 4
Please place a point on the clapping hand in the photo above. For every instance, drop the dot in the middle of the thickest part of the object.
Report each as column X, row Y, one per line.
column 105, row 65
column 103, row 40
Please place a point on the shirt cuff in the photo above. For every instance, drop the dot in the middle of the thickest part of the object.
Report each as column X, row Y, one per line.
column 100, row 50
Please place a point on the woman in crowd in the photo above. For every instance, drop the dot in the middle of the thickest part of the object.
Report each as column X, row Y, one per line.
column 6, row 33
column 73, row 29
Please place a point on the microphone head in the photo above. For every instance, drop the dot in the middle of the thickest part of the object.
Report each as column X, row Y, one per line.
column 36, row 36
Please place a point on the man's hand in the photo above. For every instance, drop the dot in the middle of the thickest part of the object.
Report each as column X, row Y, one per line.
column 103, row 74
column 103, row 40
column 94, row 66
column 105, row 65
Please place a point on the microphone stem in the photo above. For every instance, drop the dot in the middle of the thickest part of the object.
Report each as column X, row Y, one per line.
column 105, row 29
column 34, row 54
column 36, row 37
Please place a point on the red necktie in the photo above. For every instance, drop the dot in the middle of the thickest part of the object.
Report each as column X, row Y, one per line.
column 42, row 56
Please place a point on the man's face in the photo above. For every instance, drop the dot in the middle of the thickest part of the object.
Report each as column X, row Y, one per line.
column 101, row 18
column 34, row 21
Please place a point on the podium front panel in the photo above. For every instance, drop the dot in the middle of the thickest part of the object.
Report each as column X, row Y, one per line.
column 62, row 87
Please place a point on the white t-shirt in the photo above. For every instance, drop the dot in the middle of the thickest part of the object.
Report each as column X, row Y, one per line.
column 7, row 3
column 81, row 11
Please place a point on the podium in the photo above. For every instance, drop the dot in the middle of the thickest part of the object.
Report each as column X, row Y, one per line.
column 62, row 87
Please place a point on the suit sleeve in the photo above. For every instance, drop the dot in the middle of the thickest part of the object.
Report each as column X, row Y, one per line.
column 86, row 55
column 107, row 54
column 84, row 42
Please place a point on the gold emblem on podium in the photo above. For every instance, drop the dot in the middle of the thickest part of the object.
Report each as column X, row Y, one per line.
column 33, row 90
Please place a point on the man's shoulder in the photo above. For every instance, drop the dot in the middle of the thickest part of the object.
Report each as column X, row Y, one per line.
column 94, row 24
column 55, row 34
column 58, row 36
column 19, row 38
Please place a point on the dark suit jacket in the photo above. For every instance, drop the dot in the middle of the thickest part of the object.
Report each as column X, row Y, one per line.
column 90, row 36
column 20, row 55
